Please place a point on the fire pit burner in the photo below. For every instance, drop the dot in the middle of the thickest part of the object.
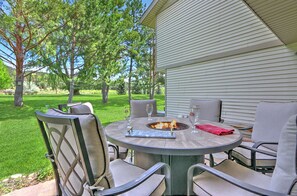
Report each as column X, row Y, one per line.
column 165, row 125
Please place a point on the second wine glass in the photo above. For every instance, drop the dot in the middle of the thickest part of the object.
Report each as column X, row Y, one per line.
column 149, row 110
column 193, row 119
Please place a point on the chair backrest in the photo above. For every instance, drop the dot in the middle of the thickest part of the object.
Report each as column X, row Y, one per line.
column 270, row 119
column 209, row 109
column 78, row 146
column 138, row 108
column 284, row 177
column 84, row 108
column 77, row 108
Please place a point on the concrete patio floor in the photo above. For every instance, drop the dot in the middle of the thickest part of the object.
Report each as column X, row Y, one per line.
column 42, row 189
column 48, row 188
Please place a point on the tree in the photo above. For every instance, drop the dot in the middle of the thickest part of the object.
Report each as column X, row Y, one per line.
column 5, row 79
column 133, row 40
column 120, row 87
column 106, row 50
column 64, row 52
column 138, row 42
column 24, row 26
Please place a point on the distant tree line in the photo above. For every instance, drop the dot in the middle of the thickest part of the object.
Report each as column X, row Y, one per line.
column 83, row 44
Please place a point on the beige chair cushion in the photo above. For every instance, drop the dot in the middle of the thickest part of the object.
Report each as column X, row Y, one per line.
column 208, row 109
column 208, row 184
column 96, row 145
column 124, row 172
column 138, row 108
column 284, row 174
column 244, row 155
column 85, row 108
column 270, row 118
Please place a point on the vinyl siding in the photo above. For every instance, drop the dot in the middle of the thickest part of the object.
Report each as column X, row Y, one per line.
column 280, row 16
column 240, row 81
column 196, row 29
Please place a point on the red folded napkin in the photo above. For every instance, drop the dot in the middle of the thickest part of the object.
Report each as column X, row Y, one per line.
column 214, row 129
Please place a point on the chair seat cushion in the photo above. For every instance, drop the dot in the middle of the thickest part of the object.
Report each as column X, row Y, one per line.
column 244, row 156
column 208, row 184
column 124, row 172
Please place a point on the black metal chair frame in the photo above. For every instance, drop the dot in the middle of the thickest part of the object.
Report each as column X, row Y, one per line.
column 85, row 161
column 66, row 106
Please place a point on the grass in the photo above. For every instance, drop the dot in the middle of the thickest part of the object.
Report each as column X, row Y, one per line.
column 21, row 145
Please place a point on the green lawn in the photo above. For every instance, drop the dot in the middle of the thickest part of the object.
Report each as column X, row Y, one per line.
column 21, row 145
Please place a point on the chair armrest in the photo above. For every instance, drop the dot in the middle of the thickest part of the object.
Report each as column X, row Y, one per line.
column 245, row 128
column 115, row 149
column 257, row 144
column 160, row 113
column 254, row 150
column 228, row 178
column 134, row 183
column 253, row 154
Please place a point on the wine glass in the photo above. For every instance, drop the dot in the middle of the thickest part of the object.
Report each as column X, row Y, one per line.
column 128, row 117
column 193, row 119
column 149, row 110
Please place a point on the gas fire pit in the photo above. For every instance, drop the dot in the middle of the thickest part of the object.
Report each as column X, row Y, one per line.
column 166, row 125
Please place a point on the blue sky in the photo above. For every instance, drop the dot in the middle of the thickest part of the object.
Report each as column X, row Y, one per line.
column 147, row 2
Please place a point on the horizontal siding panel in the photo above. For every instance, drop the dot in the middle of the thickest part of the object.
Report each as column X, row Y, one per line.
column 193, row 29
column 240, row 81
column 279, row 15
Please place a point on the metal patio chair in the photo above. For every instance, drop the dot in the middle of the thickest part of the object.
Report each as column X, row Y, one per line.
column 87, row 108
column 77, row 149
column 269, row 120
column 137, row 108
column 209, row 109
column 231, row 178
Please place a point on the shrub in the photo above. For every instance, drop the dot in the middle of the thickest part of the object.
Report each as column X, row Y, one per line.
column 9, row 92
column 121, row 90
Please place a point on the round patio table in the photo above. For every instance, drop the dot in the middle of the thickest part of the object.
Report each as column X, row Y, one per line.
column 180, row 153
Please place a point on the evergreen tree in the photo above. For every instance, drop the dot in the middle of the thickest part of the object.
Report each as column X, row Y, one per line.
column 24, row 26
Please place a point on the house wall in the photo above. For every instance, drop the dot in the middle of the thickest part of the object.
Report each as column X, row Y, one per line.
column 220, row 49
column 241, row 81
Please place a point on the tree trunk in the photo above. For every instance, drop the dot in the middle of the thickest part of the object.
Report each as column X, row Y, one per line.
column 19, row 88
column 129, row 80
column 71, row 87
column 153, row 72
column 19, row 79
column 104, row 92
column 71, row 91
column 150, row 75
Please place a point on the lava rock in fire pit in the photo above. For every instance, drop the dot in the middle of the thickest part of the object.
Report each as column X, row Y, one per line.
column 166, row 126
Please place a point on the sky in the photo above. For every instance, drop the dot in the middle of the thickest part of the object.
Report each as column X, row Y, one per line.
column 147, row 2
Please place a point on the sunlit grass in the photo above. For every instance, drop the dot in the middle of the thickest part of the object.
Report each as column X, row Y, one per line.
column 21, row 145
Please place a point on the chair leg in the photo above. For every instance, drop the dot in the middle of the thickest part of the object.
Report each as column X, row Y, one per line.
column 131, row 155
column 211, row 160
